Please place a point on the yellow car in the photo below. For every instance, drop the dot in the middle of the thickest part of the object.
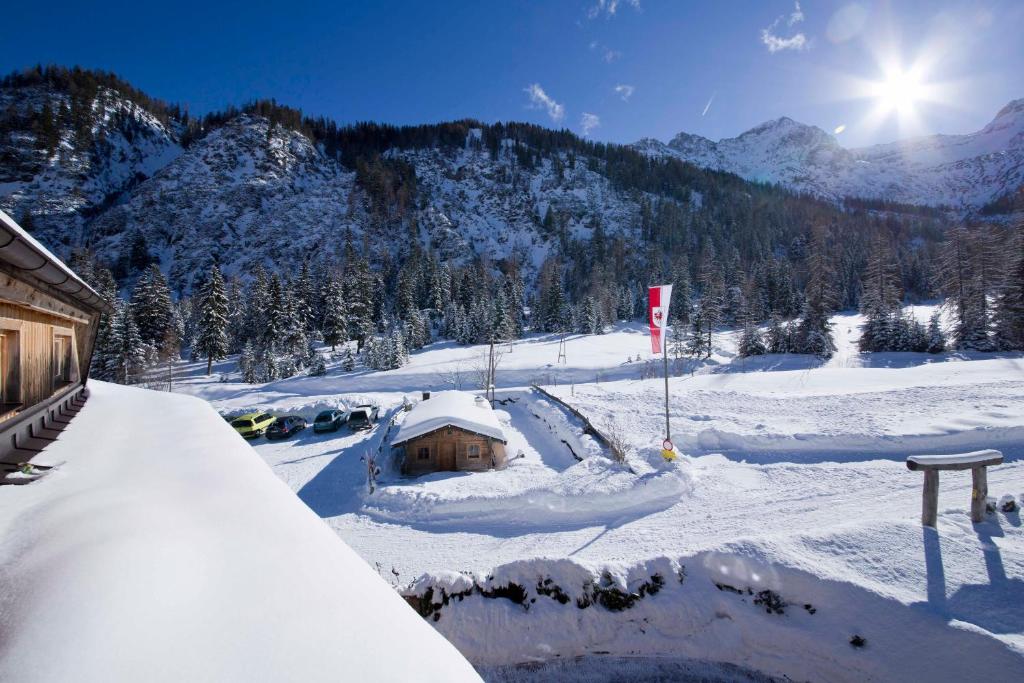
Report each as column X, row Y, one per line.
column 252, row 425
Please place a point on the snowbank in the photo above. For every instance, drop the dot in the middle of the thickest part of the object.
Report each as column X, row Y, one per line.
column 164, row 549
column 730, row 605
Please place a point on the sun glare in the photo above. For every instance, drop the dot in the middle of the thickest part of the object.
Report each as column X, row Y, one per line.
column 899, row 92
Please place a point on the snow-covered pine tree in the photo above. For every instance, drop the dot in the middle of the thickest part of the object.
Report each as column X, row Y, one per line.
column 275, row 314
column 777, row 336
column 267, row 363
column 359, row 289
column 699, row 342
column 304, row 298
column 294, row 341
column 248, row 364
column 678, row 344
column 515, row 294
column 334, row 323
column 257, row 296
column 682, row 299
column 936, row 338
column 348, row 362
column 751, row 342
column 126, row 358
column 212, row 336
column 237, row 316
column 153, row 311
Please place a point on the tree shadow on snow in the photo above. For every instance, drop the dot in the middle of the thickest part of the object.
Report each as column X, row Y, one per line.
column 897, row 360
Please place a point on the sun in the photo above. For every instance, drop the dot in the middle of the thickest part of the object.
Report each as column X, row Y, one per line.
column 900, row 91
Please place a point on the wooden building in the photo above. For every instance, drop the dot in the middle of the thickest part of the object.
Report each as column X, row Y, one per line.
column 451, row 430
column 48, row 323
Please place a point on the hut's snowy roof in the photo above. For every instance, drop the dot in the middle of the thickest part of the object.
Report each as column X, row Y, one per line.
column 162, row 548
column 451, row 408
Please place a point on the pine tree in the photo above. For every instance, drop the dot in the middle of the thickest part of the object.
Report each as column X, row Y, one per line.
column 936, row 338
column 814, row 334
column 1008, row 311
column 126, row 358
column 348, row 363
column 154, row 311
column 335, row 315
column 963, row 282
column 212, row 337
column 304, row 299
column 751, row 342
column 248, row 364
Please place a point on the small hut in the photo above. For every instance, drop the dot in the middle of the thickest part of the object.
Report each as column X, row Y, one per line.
column 449, row 431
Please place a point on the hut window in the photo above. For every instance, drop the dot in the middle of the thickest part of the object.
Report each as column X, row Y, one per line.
column 9, row 389
column 423, row 453
column 473, row 450
column 61, row 359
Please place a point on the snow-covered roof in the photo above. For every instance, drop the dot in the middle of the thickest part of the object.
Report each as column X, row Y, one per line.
column 22, row 251
column 451, row 408
column 167, row 550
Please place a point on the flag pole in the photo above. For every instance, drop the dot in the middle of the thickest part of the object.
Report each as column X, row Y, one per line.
column 664, row 353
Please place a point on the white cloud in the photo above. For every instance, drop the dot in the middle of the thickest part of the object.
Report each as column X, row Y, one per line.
column 624, row 91
column 797, row 41
column 541, row 100
column 610, row 7
column 589, row 122
column 798, row 14
column 607, row 54
column 775, row 43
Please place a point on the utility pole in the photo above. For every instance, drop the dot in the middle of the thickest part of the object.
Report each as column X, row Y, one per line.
column 490, row 372
column 561, row 349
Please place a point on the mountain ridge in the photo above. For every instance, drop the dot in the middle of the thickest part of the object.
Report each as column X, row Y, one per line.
column 964, row 171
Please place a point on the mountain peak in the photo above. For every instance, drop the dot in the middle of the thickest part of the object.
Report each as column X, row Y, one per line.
column 1012, row 109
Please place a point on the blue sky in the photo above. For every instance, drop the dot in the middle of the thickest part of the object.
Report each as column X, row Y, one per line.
column 617, row 69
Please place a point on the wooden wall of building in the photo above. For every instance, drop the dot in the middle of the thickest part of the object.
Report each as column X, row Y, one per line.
column 34, row 360
column 449, row 450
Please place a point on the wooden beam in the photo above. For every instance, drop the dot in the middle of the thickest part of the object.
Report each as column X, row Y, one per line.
column 930, row 498
column 963, row 461
column 20, row 293
column 979, row 493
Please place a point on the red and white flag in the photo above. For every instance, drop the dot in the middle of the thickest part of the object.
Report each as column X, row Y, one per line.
column 659, row 297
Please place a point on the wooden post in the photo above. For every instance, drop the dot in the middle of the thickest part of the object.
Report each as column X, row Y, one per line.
column 930, row 500
column 979, row 493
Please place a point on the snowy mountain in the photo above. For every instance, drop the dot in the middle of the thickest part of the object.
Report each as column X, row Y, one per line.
column 89, row 161
column 962, row 171
column 253, row 192
column 99, row 148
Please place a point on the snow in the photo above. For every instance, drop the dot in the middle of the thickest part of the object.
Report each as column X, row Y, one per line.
column 792, row 479
column 163, row 549
column 450, row 409
column 973, row 458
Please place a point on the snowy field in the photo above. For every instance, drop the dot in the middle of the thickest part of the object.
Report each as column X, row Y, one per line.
column 792, row 494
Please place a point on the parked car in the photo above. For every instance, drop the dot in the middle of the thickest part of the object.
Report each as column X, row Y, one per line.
column 363, row 417
column 285, row 426
column 252, row 425
column 329, row 421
